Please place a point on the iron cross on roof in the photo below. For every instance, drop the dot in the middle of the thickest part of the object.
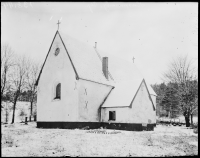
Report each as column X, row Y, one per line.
column 133, row 59
column 58, row 24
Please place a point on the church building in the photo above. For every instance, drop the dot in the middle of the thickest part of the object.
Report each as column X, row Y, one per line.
column 82, row 87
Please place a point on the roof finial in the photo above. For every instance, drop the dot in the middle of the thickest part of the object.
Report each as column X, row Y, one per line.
column 133, row 59
column 95, row 45
column 58, row 24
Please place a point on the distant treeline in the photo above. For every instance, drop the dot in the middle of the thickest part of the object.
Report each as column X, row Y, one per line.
column 174, row 100
column 24, row 96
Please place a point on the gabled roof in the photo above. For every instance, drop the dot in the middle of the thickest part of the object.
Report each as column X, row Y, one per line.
column 84, row 60
column 86, row 64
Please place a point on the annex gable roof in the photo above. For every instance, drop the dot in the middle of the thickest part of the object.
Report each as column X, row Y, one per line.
column 127, row 79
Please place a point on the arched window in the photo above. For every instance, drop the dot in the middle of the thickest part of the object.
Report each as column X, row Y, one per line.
column 58, row 91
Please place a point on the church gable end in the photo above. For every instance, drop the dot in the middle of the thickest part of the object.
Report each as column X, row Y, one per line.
column 143, row 109
column 141, row 88
column 57, row 96
column 56, row 47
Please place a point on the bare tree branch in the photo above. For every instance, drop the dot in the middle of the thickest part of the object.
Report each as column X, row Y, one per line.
column 182, row 72
column 18, row 82
column 6, row 66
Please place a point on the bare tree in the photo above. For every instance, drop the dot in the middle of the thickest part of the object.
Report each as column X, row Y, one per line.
column 182, row 72
column 188, row 100
column 18, row 80
column 32, row 74
column 6, row 65
column 7, row 111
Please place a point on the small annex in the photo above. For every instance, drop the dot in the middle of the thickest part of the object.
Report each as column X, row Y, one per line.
column 82, row 87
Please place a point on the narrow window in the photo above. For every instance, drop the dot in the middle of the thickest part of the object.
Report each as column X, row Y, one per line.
column 58, row 91
column 112, row 115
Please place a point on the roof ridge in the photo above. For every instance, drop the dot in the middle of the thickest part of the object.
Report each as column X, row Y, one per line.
column 81, row 52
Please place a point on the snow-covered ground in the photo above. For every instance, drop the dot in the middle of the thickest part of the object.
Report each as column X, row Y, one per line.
column 27, row 140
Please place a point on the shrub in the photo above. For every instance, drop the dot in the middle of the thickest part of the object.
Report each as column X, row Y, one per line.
column 195, row 126
column 195, row 130
column 9, row 141
column 22, row 114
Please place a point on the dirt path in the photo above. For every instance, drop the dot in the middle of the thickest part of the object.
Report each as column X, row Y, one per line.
column 27, row 140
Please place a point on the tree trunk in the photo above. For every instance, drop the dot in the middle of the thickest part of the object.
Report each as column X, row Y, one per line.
column 187, row 121
column 6, row 112
column 13, row 117
column 169, row 114
column 35, row 118
column 159, row 110
column 187, row 118
column 1, row 102
column 31, row 111
column 191, row 120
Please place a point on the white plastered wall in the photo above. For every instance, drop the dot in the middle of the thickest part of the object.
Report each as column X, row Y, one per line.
column 57, row 69
column 91, row 95
column 140, row 112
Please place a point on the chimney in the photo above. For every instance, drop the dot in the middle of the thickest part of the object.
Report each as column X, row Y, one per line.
column 95, row 45
column 105, row 66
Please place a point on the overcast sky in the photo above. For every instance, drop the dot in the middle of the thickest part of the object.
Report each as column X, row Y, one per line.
column 152, row 33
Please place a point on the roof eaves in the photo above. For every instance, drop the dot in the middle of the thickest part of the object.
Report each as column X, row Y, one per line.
column 36, row 83
column 105, row 100
column 116, row 107
column 96, row 82
column 136, row 94
column 149, row 96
